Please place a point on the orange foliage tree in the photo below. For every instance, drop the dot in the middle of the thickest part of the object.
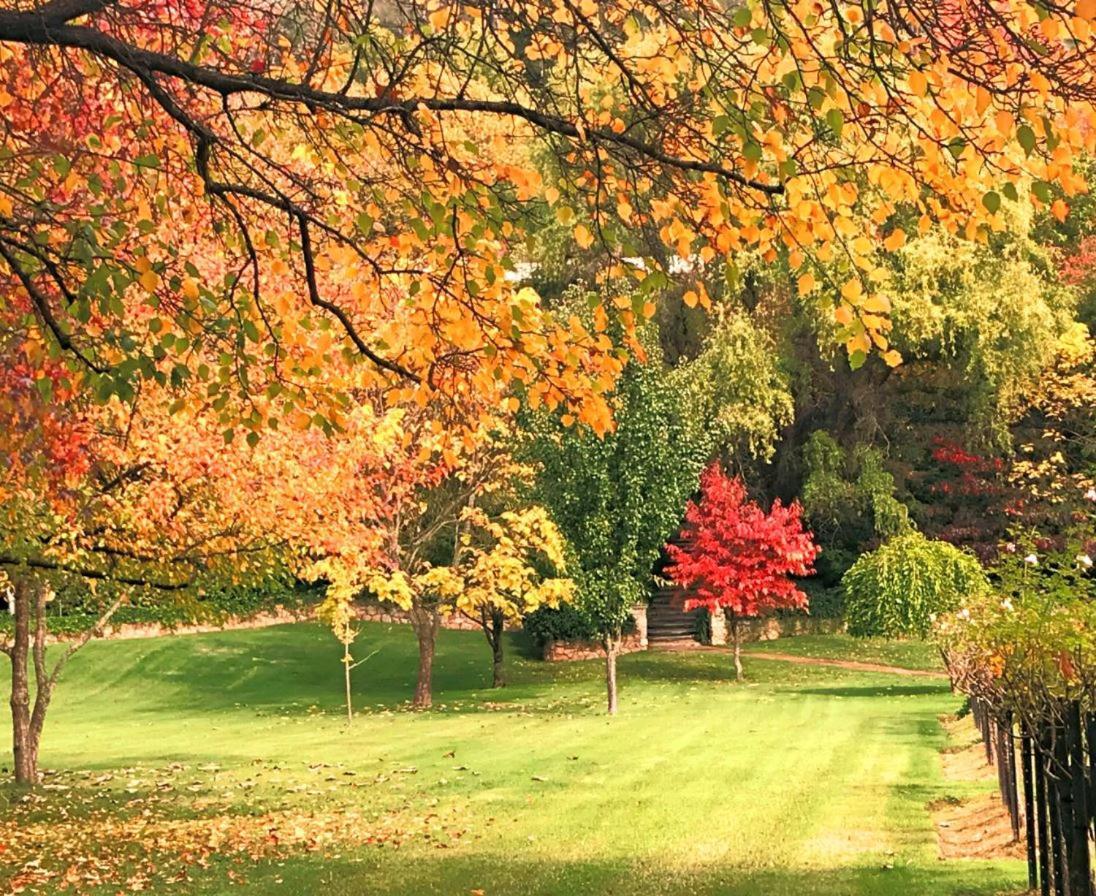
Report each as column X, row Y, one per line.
column 285, row 181
column 109, row 501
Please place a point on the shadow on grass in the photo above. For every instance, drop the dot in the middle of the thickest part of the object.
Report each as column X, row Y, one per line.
column 882, row 690
column 383, row 872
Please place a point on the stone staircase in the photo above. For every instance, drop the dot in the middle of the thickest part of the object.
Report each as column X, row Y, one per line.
column 667, row 625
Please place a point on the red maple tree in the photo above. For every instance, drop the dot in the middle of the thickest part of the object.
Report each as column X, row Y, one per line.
column 734, row 557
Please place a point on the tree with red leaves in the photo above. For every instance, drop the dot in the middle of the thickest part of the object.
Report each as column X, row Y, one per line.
column 734, row 557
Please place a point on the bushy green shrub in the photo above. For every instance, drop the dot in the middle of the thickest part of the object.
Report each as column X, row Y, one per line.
column 896, row 590
column 824, row 601
column 565, row 623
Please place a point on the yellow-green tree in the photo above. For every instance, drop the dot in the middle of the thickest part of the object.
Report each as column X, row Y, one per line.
column 505, row 571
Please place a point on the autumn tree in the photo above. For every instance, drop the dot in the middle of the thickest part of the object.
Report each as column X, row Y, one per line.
column 447, row 530
column 509, row 564
column 109, row 501
column 733, row 557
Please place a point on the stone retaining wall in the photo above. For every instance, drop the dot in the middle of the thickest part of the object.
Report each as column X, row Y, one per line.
column 557, row 651
column 772, row 627
column 371, row 611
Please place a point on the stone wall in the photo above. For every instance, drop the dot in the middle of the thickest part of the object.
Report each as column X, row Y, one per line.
column 556, row 651
column 371, row 611
column 772, row 627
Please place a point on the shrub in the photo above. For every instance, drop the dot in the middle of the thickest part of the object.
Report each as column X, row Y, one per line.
column 896, row 590
column 825, row 601
column 564, row 623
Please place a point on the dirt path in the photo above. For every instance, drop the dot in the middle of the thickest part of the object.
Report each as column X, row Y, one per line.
column 854, row 665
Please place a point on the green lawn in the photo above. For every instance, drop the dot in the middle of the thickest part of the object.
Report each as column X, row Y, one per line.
column 919, row 655
column 804, row 781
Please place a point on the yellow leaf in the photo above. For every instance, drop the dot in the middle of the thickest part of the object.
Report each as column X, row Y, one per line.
column 919, row 84
column 876, row 304
column 190, row 289
column 852, row 291
column 892, row 358
column 150, row 280
column 806, row 284
column 858, row 343
column 583, row 237
column 691, row 299
column 843, row 315
column 1059, row 209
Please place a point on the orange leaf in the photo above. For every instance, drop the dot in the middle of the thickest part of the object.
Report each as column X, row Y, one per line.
column 895, row 240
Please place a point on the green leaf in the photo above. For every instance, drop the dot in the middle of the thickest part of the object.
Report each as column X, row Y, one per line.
column 1042, row 190
column 150, row 160
column 742, row 17
column 1026, row 138
column 992, row 201
column 836, row 120
column 1009, row 190
column 857, row 359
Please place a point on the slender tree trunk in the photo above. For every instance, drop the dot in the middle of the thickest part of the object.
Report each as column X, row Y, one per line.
column 612, row 648
column 29, row 645
column 425, row 621
column 494, row 625
column 24, row 749
column 736, row 640
column 348, row 662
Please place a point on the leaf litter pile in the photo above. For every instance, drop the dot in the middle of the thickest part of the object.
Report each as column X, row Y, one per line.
column 149, row 829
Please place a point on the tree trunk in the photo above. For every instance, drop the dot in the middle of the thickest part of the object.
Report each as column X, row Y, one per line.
column 425, row 621
column 612, row 648
column 494, row 626
column 24, row 749
column 28, row 718
column 736, row 640
column 28, row 645
column 348, row 662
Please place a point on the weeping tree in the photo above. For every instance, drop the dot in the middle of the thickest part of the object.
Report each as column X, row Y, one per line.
column 898, row 589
